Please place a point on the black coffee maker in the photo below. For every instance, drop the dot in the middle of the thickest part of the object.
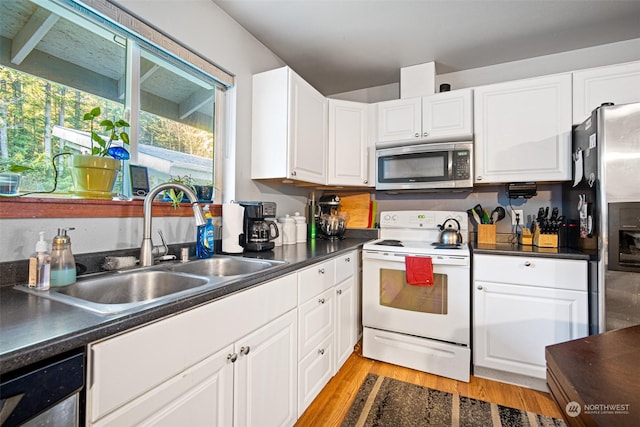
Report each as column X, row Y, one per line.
column 258, row 232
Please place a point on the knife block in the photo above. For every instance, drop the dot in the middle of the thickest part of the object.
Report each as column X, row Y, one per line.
column 544, row 240
column 487, row 234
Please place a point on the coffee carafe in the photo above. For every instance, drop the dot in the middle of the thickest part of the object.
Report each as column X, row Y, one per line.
column 258, row 232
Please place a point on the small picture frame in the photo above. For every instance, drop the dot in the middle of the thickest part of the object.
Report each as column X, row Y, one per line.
column 139, row 181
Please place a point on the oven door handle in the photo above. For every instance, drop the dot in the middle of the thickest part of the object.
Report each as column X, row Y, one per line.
column 399, row 257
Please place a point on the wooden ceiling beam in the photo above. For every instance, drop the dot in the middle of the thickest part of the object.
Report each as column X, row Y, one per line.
column 30, row 35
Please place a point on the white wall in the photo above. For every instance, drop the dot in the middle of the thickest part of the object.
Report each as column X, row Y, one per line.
column 608, row 54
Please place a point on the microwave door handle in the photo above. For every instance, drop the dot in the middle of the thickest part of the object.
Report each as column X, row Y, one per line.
column 450, row 165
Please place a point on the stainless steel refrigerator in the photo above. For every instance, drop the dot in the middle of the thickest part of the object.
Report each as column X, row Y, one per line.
column 603, row 203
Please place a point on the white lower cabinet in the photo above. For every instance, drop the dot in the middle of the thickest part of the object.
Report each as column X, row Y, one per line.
column 256, row 358
column 347, row 305
column 229, row 362
column 523, row 304
column 327, row 323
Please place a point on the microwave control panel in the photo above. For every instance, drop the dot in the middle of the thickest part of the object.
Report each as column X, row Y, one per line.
column 461, row 164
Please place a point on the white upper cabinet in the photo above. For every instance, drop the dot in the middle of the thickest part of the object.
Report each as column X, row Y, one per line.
column 448, row 116
column 440, row 117
column 349, row 147
column 289, row 128
column 619, row 84
column 399, row 120
column 523, row 130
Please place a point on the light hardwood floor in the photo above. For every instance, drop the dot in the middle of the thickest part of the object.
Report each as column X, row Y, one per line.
column 334, row 401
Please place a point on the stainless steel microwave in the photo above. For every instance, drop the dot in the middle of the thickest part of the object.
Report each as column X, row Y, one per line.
column 425, row 166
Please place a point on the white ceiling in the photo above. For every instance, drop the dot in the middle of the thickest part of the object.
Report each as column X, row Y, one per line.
column 344, row 45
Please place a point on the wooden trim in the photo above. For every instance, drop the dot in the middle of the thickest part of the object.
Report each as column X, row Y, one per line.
column 32, row 207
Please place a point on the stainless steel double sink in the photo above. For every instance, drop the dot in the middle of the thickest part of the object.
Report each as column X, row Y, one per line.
column 130, row 290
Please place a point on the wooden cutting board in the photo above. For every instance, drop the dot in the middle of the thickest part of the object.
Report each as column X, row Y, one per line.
column 357, row 206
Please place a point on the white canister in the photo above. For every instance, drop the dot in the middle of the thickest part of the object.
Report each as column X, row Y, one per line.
column 301, row 227
column 287, row 229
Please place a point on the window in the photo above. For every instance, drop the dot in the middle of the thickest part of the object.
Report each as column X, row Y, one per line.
column 60, row 59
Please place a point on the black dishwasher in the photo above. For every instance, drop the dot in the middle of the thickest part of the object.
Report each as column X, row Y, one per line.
column 44, row 394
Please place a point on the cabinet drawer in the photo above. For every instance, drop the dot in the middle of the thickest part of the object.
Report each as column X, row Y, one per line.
column 125, row 367
column 346, row 266
column 531, row 271
column 315, row 321
column 315, row 279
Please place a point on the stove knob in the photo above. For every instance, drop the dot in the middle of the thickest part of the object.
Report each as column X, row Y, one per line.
column 386, row 217
column 395, row 218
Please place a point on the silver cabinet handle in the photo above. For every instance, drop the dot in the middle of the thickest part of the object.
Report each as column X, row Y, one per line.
column 528, row 264
column 321, row 351
column 232, row 357
column 321, row 271
column 347, row 259
column 339, row 291
column 478, row 178
column 321, row 301
column 417, row 135
column 479, row 287
column 293, row 173
column 425, row 134
column 366, row 181
column 245, row 350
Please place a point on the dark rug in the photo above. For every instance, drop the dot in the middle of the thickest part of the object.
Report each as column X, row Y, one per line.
column 383, row 401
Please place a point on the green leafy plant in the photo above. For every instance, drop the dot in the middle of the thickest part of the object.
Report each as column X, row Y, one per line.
column 176, row 198
column 115, row 129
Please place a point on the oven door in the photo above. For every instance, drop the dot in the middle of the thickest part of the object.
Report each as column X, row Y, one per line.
column 441, row 311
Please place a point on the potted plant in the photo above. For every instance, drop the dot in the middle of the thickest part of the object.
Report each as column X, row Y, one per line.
column 10, row 179
column 179, row 197
column 204, row 192
column 96, row 173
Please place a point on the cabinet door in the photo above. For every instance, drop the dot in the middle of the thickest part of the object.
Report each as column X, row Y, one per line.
column 447, row 116
column 307, row 131
column 201, row 395
column 346, row 332
column 348, row 143
column 619, row 84
column 316, row 321
column 513, row 324
column 399, row 120
column 523, row 130
column 314, row 372
column 265, row 375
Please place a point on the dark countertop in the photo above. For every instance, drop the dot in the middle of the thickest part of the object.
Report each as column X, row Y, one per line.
column 34, row 328
column 519, row 250
column 599, row 373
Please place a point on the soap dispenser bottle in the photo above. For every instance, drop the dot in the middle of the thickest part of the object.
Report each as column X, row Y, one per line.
column 63, row 265
column 39, row 266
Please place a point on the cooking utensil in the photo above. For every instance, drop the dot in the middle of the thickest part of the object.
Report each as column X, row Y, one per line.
column 474, row 214
column 497, row 214
column 450, row 235
column 478, row 209
column 485, row 217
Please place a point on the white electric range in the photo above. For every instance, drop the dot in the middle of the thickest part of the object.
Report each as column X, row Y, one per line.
column 421, row 327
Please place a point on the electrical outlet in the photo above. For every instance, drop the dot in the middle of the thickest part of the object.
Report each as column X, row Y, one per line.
column 517, row 214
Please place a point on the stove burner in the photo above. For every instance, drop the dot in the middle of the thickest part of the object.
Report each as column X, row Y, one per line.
column 390, row 242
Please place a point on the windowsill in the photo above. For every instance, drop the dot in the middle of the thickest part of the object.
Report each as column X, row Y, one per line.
column 45, row 207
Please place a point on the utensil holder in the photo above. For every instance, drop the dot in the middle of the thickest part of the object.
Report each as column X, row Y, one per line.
column 487, row 234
